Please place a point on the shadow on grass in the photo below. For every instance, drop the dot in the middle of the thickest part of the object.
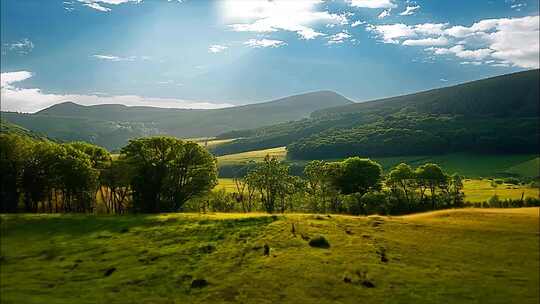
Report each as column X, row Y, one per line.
column 80, row 224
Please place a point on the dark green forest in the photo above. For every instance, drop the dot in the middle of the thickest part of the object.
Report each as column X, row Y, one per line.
column 496, row 115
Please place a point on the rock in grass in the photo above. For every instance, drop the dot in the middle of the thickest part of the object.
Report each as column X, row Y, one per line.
column 109, row 271
column 199, row 283
column 319, row 242
column 368, row 284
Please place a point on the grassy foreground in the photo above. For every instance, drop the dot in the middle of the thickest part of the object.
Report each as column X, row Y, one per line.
column 454, row 256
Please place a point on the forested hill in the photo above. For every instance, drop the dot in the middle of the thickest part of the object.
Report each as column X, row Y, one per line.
column 511, row 95
column 494, row 115
column 112, row 126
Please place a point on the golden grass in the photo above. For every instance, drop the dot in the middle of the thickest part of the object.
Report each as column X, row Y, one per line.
column 256, row 156
column 477, row 190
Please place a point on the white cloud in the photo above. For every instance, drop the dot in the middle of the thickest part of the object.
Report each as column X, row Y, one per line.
column 118, row 58
column 216, row 48
column 511, row 41
column 384, row 13
column 99, row 4
column 390, row 33
column 409, row 10
column 263, row 43
column 373, row 3
column 426, row 41
column 32, row 100
column 23, row 46
column 6, row 79
column 357, row 23
column 265, row 16
column 339, row 37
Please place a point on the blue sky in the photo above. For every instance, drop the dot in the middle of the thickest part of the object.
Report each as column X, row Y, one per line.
column 207, row 54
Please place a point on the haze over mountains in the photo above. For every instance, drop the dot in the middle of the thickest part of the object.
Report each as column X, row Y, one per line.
column 495, row 115
column 113, row 125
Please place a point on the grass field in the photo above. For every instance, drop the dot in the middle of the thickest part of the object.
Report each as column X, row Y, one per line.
column 481, row 190
column 475, row 190
column 456, row 256
column 256, row 156
column 470, row 165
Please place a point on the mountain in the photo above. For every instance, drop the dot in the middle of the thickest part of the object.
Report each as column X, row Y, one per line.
column 113, row 125
column 494, row 115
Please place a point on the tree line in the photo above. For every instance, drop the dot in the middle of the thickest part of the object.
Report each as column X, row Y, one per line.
column 165, row 174
column 155, row 174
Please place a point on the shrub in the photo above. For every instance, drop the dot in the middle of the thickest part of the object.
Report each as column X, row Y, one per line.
column 319, row 242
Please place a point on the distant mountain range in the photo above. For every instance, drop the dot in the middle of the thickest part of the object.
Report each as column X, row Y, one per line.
column 494, row 115
column 112, row 126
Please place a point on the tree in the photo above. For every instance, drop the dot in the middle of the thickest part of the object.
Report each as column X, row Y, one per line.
column 98, row 155
column 402, row 177
column 167, row 172
column 77, row 179
column 456, row 188
column 320, row 176
column 14, row 151
column 357, row 175
column 271, row 178
column 115, row 185
column 430, row 176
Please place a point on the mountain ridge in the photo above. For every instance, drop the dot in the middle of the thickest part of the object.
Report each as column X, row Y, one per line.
column 113, row 125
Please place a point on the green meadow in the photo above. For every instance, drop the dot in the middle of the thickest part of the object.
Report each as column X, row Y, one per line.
column 450, row 256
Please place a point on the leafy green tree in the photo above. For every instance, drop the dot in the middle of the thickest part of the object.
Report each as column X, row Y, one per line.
column 402, row 177
column 114, row 187
column 357, row 174
column 77, row 179
column 14, row 151
column 167, row 172
column 99, row 156
column 430, row 176
column 271, row 178
column 456, row 188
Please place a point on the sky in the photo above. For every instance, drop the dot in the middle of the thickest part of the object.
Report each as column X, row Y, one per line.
column 213, row 54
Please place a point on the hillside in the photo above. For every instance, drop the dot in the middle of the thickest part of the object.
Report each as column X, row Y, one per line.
column 450, row 256
column 112, row 125
column 494, row 115
column 6, row 127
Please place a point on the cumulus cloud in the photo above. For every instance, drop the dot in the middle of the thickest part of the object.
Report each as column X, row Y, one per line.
column 264, row 43
column 31, row 100
column 339, row 38
column 506, row 41
column 410, row 10
column 216, row 48
column 373, row 3
column 426, row 41
column 263, row 16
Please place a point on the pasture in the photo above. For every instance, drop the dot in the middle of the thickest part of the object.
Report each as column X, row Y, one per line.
column 450, row 256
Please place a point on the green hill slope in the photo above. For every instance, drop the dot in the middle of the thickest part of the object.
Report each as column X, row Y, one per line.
column 451, row 256
column 112, row 125
column 495, row 115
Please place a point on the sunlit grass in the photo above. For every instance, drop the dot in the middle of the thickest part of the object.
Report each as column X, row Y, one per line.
column 256, row 156
column 450, row 256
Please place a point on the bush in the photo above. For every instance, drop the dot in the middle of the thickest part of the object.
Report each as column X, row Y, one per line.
column 319, row 242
